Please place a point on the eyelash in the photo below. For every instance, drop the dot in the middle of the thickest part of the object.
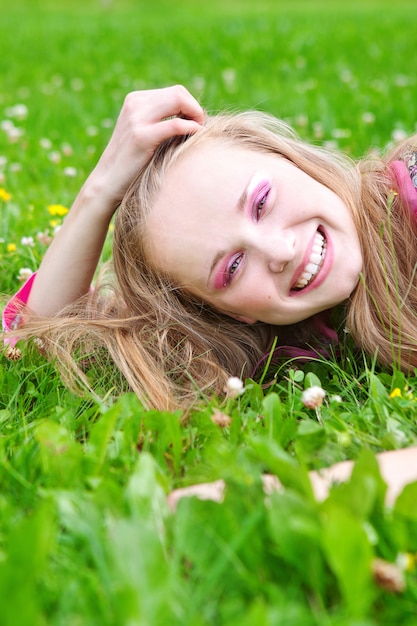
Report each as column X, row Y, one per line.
column 257, row 211
column 260, row 205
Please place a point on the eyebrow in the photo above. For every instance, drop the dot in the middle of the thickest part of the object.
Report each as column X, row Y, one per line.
column 241, row 204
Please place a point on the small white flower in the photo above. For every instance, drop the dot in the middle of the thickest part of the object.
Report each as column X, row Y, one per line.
column 44, row 238
column 6, row 125
column 54, row 156
column 341, row 133
column 77, row 84
column 301, row 120
column 399, row 134
column 13, row 353
column 27, row 241
column 368, row 117
column 221, row 419
column 24, row 274
column 313, row 397
column 70, row 172
column 229, row 76
column 92, row 131
column 336, row 398
column 66, row 149
column 318, row 130
column 234, row 387
column 14, row 133
column 45, row 143
column 18, row 111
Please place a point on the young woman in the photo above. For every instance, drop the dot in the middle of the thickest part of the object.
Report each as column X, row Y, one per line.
column 230, row 232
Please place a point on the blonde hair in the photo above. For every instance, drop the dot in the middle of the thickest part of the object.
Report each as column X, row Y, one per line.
column 171, row 347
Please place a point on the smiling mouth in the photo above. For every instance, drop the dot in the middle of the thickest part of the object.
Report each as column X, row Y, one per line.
column 314, row 264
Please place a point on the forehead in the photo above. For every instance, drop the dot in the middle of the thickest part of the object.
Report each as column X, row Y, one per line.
column 189, row 219
column 207, row 175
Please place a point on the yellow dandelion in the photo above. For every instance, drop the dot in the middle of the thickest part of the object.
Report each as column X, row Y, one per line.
column 4, row 195
column 57, row 209
column 11, row 247
column 395, row 393
column 54, row 223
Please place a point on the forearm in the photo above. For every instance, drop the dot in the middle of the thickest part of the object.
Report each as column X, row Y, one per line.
column 69, row 264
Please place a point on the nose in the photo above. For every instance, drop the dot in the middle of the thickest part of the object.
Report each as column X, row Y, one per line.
column 279, row 251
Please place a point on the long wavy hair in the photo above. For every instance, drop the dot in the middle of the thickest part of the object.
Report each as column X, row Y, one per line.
column 172, row 348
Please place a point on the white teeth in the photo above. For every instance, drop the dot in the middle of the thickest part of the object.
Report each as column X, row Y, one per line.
column 318, row 252
column 315, row 258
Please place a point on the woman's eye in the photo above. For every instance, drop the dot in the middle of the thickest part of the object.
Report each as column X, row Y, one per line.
column 233, row 267
column 260, row 206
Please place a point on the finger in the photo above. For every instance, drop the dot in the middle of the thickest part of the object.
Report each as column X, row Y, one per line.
column 175, row 101
column 173, row 127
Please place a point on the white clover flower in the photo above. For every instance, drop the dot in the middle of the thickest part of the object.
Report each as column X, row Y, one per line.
column 14, row 133
column 229, row 76
column 341, row 133
column 199, row 84
column 27, row 241
column 24, row 274
column 77, row 84
column 318, row 130
column 70, row 172
column 368, row 117
column 6, row 125
column 66, row 149
column 44, row 238
column 13, row 353
column 91, row 131
column 221, row 419
column 234, row 387
column 301, row 120
column 388, row 576
column 18, row 111
column 313, row 397
column 45, row 143
column 336, row 398
column 399, row 134
column 54, row 156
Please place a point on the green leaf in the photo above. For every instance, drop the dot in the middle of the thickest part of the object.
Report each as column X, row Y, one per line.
column 289, row 471
column 311, row 380
column 295, row 527
column 349, row 555
column 365, row 491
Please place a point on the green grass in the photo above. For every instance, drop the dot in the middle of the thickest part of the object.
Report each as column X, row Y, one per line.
column 86, row 536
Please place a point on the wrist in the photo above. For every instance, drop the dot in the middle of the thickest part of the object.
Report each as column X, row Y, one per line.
column 95, row 197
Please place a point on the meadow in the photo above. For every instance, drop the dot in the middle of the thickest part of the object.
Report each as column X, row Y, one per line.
column 86, row 533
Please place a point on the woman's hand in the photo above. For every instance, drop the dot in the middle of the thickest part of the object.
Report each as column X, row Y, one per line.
column 146, row 119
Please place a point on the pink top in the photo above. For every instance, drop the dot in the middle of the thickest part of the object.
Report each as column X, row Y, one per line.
column 405, row 173
column 12, row 313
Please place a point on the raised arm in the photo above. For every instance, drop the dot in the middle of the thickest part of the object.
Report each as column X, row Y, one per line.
column 146, row 119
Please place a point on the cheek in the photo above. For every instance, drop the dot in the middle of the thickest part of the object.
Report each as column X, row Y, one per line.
column 256, row 302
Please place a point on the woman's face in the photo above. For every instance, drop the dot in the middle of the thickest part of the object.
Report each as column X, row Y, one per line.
column 253, row 235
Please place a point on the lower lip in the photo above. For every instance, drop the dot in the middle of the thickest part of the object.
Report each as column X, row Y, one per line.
column 323, row 272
